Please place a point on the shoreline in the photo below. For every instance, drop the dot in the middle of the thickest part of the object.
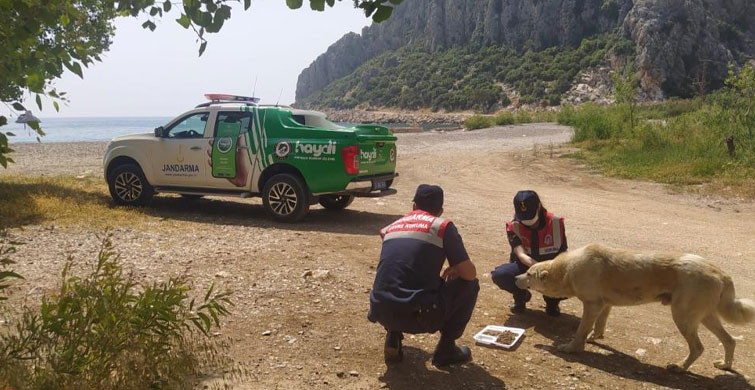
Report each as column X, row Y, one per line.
column 84, row 158
column 411, row 118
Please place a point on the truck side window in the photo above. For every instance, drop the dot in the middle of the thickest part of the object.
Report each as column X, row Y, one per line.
column 192, row 126
column 235, row 120
column 300, row 119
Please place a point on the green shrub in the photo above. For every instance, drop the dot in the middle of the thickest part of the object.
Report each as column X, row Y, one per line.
column 478, row 122
column 523, row 117
column 104, row 331
column 565, row 116
column 7, row 248
column 592, row 122
column 669, row 108
column 654, row 137
column 504, row 118
column 679, row 141
column 542, row 116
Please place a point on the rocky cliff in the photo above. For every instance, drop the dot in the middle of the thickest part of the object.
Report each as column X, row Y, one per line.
column 685, row 46
column 681, row 46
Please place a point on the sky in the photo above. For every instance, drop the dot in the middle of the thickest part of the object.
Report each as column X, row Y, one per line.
column 160, row 74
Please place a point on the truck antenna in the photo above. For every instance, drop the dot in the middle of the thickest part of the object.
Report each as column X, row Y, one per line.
column 254, row 90
column 279, row 98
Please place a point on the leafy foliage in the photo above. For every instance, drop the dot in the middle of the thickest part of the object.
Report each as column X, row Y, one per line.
column 463, row 78
column 504, row 118
column 7, row 248
column 626, row 86
column 104, row 331
column 478, row 122
column 682, row 142
column 42, row 38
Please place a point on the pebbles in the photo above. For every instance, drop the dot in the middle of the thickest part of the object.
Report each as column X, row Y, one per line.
column 316, row 274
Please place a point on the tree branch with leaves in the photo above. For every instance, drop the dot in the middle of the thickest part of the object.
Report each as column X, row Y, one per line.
column 42, row 38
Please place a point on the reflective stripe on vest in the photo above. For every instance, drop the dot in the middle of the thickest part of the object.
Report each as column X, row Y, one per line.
column 549, row 237
column 518, row 232
column 419, row 226
column 555, row 238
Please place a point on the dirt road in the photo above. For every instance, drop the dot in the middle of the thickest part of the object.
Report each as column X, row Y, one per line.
column 301, row 291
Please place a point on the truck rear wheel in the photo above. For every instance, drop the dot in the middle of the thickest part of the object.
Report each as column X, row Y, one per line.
column 128, row 186
column 285, row 198
column 336, row 202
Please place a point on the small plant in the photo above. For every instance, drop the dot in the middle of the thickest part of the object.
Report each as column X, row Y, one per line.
column 103, row 331
column 504, row 118
column 523, row 117
column 739, row 95
column 626, row 87
column 478, row 122
column 7, row 248
column 592, row 122
column 566, row 115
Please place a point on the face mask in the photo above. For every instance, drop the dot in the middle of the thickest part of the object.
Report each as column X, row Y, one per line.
column 531, row 222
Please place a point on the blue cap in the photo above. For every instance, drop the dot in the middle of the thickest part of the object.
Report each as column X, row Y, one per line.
column 525, row 204
column 429, row 197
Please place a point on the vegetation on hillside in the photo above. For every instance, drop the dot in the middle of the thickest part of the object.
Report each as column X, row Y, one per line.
column 706, row 139
column 466, row 78
column 505, row 118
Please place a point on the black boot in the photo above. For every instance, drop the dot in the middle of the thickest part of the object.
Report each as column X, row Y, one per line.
column 393, row 351
column 520, row 306
column 447, row 352
column 552, row 309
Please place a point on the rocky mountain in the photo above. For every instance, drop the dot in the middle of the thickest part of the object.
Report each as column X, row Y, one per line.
column 679, row 46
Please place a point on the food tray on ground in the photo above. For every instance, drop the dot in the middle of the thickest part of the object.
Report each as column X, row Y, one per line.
column 499, row 336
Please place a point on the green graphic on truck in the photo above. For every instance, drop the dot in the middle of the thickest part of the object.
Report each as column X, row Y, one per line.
column 291, row 158
column 224, row 152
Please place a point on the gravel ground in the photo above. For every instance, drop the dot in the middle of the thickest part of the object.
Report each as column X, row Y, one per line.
column 301, row 291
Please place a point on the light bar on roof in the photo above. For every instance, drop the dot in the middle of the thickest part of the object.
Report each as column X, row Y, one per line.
column 230, row 98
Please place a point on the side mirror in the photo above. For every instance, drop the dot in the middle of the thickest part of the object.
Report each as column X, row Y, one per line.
column 159, row 132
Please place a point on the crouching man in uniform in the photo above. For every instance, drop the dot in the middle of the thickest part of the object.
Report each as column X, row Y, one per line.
column 410, row 295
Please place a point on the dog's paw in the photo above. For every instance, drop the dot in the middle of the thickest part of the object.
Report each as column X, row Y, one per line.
column 595, row 336
column 570, row 348
column 722, row 365
column 675, row 368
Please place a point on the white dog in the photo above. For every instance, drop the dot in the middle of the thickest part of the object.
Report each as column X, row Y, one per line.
column 697, row 290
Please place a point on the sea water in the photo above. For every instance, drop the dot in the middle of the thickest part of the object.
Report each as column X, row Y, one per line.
column 83, row 129
column 107, row 128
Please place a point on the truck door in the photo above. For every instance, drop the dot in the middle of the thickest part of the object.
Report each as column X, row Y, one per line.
column 179, row 158
column 230, row 156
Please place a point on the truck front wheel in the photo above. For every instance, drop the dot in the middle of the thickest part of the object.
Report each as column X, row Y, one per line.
column 336, row 202
column 285, row 198
column 128, row 186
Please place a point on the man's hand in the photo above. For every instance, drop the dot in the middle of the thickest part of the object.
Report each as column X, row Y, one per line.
column 465, row 270
column 450, row 273
column 523, row 257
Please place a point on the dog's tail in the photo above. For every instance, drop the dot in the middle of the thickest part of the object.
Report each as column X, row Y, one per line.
column 733, row 310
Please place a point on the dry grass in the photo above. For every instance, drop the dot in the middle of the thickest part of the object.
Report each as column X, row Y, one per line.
column 64, row 199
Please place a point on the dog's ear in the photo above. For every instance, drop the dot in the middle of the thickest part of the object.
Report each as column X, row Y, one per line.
column 542, row 275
